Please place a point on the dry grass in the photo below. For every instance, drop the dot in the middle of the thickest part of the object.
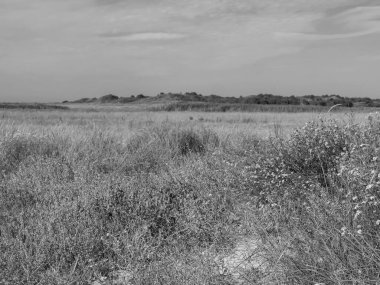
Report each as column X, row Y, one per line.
column 261, row 124
column 164, row 196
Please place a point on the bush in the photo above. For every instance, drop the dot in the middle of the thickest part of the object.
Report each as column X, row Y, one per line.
column 173, row 140
column 314, row 149
column 190, row 142
column 359, row 169
column 330, row 234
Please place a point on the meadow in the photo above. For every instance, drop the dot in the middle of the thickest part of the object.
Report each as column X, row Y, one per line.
column 97, row 195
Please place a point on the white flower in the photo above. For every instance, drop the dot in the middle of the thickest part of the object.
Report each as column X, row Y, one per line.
column 369, row 187
column 358, row 213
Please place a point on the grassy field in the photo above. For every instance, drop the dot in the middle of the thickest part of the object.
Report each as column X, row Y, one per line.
column 32, row 106
column 129, row 119
column 88, row 196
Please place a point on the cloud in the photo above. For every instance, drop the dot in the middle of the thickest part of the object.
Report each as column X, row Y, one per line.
column 108, row 2
column 354, row 22
column 346, row 5
column 147, row 36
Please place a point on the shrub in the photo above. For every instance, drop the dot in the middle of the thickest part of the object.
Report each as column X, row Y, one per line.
column 172, row 140
column 190, row 142
column 359, row 169
column 331, row 234
column 314, row 149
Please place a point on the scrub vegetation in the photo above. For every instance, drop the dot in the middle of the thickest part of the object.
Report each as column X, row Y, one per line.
column 163, row 196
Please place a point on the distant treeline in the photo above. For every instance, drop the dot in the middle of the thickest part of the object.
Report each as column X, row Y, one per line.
column 35, row 106
column 269, row 99
column 260, row 99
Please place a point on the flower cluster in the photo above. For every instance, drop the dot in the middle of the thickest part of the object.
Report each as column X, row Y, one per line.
column 359, row 171
column 314, row 148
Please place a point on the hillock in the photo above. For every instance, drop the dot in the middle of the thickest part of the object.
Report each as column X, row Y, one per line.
column 110, row 98
column 260, row 99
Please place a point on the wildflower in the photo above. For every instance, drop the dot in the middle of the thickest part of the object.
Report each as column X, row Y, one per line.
column 378, row 223
column 369, row 187
column 358, row 213
column 360, row 232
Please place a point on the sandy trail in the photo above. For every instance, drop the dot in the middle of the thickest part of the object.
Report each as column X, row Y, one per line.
column 244, row 261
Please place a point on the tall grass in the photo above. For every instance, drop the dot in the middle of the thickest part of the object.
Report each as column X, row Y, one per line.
column 31, row 106
column 85, row 196
column 75, row 209
column 235, row 107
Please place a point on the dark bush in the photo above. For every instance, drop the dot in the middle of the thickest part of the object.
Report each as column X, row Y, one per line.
column 190, row 142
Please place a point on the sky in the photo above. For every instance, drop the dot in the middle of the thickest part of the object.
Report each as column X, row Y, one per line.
column 54, row 50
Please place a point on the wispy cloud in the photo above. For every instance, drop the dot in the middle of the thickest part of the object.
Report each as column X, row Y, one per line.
column 353, row 22
column 108, row 2
column 147, row 36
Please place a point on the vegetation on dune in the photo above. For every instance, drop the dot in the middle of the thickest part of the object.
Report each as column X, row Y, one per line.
column 193, row 100
column 165, row 203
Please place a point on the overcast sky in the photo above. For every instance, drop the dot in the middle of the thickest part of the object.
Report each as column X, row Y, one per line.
column 52, row 50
